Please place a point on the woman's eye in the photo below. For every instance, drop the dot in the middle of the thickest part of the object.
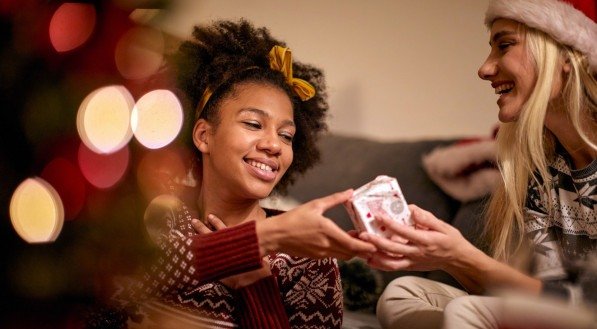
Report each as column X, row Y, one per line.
column 504, row 45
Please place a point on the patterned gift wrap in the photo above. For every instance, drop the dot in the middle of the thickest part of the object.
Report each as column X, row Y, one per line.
column 380, row 197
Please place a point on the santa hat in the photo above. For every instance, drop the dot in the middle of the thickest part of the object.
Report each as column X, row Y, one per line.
column 570, row 22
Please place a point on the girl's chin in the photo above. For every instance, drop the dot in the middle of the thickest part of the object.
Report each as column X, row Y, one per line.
column 261, row 192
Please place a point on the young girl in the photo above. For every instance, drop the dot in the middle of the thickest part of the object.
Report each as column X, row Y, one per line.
column 543, row 65
column 258, row 115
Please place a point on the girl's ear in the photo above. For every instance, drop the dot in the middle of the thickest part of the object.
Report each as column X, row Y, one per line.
column 200, row 135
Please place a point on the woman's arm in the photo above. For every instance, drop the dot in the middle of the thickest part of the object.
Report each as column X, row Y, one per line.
column 435, row 244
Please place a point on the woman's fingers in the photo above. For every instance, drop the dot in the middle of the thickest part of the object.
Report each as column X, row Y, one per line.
column 426, row 219
column 200, row 227
column 405, row 232
column 415, row 236
column 388, row 263
column 389, row 245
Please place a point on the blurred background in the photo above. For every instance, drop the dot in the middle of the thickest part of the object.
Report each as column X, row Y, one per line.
column 91, row 128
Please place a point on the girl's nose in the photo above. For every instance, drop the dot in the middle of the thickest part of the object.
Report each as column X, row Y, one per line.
column 270, row 143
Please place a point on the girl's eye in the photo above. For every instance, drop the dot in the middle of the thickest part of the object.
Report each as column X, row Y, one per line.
column 252, row 124
column 287, row 137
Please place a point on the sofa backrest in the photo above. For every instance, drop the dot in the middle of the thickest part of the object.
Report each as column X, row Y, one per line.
column 349, row 162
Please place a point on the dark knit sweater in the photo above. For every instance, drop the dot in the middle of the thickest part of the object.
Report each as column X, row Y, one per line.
column 183, row 286
column 564, row 233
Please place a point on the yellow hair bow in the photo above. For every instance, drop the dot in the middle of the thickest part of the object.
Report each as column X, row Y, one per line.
column 280, row 59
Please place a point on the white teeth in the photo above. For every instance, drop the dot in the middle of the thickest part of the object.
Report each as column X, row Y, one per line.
column 501, row 88
column 260, row 165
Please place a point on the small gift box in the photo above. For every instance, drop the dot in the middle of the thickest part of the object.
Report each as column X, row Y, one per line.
column 380, row 197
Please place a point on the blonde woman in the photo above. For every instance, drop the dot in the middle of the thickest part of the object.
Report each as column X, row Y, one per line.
column 542, row 222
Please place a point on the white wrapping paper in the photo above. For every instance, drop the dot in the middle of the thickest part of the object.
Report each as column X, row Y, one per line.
column 382, row 196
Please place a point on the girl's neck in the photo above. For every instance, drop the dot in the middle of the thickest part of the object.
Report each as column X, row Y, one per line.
column 231, row 212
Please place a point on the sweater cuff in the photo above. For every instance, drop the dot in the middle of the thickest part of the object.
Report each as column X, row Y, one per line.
column 226, row 252
column 262, row 306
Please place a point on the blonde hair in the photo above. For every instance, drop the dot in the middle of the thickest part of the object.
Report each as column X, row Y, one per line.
column 525, row 147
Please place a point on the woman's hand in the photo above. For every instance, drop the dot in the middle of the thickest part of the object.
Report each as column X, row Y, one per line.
column 432, row 244
column 305, row 232
column 239, row 280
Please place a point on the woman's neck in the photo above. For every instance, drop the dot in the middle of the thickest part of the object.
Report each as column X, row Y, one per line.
column 581, row 153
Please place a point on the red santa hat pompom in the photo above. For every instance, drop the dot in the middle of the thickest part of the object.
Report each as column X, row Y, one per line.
column 570, row 22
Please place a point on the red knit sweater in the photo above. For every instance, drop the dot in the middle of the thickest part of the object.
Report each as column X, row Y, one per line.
column 183, row 286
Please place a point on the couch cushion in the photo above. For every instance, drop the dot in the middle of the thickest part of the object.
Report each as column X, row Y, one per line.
column 349, row 162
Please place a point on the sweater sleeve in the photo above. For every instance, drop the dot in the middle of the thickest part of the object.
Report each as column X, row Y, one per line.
column 226, row 252
column 187, row 261
column 262, row 306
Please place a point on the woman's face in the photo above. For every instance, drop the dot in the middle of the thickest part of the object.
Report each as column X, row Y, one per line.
column 251, row 148
column 509, row 67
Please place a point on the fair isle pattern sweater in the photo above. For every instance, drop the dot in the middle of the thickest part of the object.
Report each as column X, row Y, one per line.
column 564, row 237
column 183, row 284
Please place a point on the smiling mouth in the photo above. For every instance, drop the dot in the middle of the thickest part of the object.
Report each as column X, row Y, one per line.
column 259, row 165
column 504, row 89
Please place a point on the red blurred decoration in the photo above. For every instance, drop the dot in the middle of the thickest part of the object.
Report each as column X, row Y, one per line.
column 71, row 25
column 69, row 183
column 103, row 170
column 91, row 61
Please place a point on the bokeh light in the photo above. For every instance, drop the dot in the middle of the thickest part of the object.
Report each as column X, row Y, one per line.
column 157, row 213
column 71, row 25
column 145, row 16
column 36, row 211
column 157, row 118
column 67, row 180
column 103, row 170
column 139, row 53
column 103, row 120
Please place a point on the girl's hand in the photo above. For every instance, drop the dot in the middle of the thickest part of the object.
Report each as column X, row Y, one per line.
column 432, row 244
column 305, row 232
column 239, row 280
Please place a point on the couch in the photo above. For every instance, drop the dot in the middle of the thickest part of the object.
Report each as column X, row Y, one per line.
column 349, row 162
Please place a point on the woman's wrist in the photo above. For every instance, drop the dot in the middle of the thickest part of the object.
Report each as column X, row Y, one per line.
column 469, row 266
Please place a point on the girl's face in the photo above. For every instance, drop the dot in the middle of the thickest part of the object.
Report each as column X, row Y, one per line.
column 510, row 68
column 251, row 148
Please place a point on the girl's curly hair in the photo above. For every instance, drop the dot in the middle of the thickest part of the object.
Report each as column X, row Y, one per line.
column 224, row 55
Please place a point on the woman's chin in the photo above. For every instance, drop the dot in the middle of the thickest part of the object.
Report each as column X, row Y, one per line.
column 507, row 116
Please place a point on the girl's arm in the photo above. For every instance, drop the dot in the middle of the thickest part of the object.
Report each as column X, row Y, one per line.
column 262, row 307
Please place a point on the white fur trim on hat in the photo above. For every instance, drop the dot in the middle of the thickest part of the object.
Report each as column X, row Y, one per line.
column 557, row 18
